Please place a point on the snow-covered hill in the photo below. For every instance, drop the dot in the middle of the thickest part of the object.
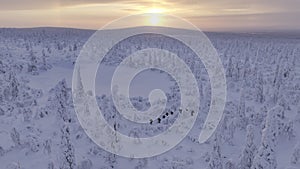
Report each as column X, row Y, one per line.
column 39, row 129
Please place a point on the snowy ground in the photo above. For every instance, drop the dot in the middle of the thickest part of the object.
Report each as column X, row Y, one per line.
column 39, row 128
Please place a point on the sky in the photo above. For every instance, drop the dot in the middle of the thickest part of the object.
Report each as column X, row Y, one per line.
column 214, row 15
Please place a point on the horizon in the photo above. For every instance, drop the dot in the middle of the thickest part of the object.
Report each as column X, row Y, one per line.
column 257, row 32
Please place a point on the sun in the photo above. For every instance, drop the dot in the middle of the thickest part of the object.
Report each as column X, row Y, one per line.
column 154, row 19
column 155, row 16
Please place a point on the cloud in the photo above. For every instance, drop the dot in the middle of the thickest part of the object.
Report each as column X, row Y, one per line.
column 46, row 4
column 249, row 22
column 221, row 13
column 27, row 4
column 187, row 5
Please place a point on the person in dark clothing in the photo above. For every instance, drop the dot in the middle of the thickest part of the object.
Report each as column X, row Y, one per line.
column 151, row 121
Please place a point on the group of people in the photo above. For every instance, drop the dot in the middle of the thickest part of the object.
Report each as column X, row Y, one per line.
column 167, row 114
column 163, row 117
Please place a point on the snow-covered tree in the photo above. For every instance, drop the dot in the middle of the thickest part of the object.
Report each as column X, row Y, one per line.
column 2, row 151
column 44, row 65
column 259, row 87
column 228, row 128
column 295, row 159
column 11, row 90
column 249, row 150
column 32, row 66
column 289, row 130
column 247, row 70
column 230, row 67
column 51, row 165
column 230, row 165
column 33, row 144
column 67, row 148
column 15, row 136
column 61, row 101
column 47, row 146
column 60, row 105
column 110, row 160
column 215, row 157
column 266, row 156
column 141, row 163
column 241, row 119
column 79, row 92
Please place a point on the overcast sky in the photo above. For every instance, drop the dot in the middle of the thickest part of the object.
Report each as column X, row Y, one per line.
column 227, row 15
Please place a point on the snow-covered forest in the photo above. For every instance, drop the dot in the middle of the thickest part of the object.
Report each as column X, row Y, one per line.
column 260, row 128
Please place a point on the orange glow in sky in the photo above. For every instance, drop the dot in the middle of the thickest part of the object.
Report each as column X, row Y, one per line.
column 210, row 15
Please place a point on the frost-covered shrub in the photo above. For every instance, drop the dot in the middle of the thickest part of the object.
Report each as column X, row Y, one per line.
column 249, row 151
column 295, row 159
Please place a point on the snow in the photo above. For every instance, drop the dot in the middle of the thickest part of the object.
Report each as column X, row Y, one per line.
column 49, row 133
